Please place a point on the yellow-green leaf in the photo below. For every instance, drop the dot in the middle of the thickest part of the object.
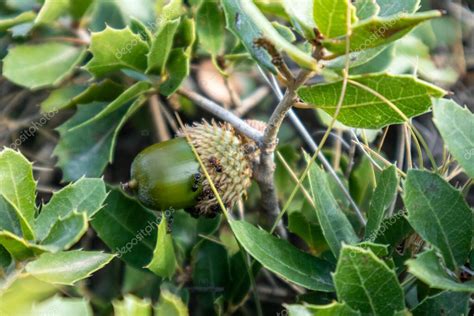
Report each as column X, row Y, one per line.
column 115, row 49
column 67, row 267
column 331, row 17
column 163, row 262
column 377, row 31
column 42, row 65
column 132, row 306
column 170, row 305
column 18, row 188
column 365, row 104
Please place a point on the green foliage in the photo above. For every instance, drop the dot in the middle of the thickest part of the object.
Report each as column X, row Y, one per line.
column 404, row 246
column 123, row 221
column 370, row 99
column 24, row 17
column 210, row 274
column 210, row 26
column 366, row 283
column 63, row 306
column 161, row 47
column 335, row 226
column 321, row 310
column 248, row 23
column 19, row 248
column 67, row 267
column 447, row 302
column 18, row 189
column 366, row 9
column 132, row 306
column 388, row 8
column 282, row 258
column 378, row 31
column 163, row 263
column 69, row 96
column 455, row 125
column 383, row 197
column 66, row 231
column 84, row 196
column 40, row 250
column 429, row 268
column 43, row 65
column 301, row 13
column 428, row 196
column 170, row 304
column 51, row 11
column 331, row 17
column 114, row 50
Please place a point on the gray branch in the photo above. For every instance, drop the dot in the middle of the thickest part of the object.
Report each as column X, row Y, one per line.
column 223, row 114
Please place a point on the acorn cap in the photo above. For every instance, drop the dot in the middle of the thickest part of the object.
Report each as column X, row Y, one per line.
column 223, row 155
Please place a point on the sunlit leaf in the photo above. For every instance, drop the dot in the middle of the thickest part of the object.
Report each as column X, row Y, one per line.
column 18, row 188
column 331, row 17
column 84, row 196
column 19, row 248
column 301, row 14
column 115, row 49
column 365, row 103
column 378, row 31
column 42, row 65
column 67, row 267
column 132, row 306
column 63, row 306
column 170, row 305
column 163, row 262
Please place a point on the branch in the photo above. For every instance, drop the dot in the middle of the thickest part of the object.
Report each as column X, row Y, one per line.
column 223, row 114
column 158, row 119
column 279, row 114
column 264, row 172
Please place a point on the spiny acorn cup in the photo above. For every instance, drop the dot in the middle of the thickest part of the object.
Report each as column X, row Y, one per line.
column 168, row 174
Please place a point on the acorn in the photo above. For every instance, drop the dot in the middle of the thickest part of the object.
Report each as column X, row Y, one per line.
column 168, row 175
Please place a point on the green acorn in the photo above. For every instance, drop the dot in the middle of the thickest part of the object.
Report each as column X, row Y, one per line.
column 168, row 174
